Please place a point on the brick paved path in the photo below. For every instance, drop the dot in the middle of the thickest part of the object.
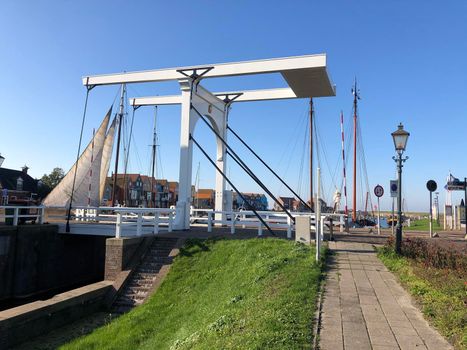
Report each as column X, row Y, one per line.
column 364, row 306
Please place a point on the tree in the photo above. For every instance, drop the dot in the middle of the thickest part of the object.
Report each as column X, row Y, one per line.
column 51, row 180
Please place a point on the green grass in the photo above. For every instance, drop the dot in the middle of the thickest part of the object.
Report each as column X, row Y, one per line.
column 224, row 294
column 441, row 293
column 423, row 225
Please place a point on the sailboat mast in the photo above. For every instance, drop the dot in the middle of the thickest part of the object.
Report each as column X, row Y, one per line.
column 311, row 153
column 120, row 119
column 154, row 140
column 343, row 164
column 354, row 197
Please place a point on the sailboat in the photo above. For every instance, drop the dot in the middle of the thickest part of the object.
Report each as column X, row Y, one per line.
column 90, row 170
column 356, row 220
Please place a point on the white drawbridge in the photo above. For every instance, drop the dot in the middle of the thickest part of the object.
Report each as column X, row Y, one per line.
column 306, row 77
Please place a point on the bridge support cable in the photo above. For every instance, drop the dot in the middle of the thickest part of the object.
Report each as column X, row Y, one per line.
column 243, row 165
column 68, row 215
column 261, row 184
column 269, row 168
column 233, row 186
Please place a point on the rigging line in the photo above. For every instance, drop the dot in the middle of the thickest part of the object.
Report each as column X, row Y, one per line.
column 138, row 157
column 364, row 176
column 365, row 171
column 129, row 139
column 302, row 161
column 284, row 150
column 232, row 185
column 127, row 151
column 262, row 161
column 259, row 182
column 319, row 139
column 88, row 88
column 323, row 148
column 319, row 159
column 161, row 169
column 236, row 156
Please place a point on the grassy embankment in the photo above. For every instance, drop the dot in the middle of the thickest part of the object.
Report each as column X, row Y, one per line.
column 423, row 225
column 242, row 294
column 441, row 293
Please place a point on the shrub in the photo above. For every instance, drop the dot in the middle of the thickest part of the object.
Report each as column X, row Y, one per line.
column 431, row 254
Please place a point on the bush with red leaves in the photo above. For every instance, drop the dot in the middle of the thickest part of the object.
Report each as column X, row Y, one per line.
column 431, row 254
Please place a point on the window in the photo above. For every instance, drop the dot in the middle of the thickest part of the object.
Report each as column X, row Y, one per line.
column 19, row 184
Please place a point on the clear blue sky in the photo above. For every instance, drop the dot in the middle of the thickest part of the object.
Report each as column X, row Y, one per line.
column 410, row 58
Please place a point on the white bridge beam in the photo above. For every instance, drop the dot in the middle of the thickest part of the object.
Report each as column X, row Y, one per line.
column 243, row 96
column 306, row 75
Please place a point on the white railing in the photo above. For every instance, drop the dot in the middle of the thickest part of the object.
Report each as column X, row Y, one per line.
column 152, row 218
column 134, row 221
column 28, row 213
column 246, row 218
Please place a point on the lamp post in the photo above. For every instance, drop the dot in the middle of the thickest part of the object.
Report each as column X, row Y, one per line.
column 400, row 137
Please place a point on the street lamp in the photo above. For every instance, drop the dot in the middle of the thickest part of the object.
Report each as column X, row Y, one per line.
column 400, row 137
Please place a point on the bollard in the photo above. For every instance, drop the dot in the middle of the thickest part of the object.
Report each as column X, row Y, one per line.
column 156, row 222
column 118, row 225
column 139, row 224
column 209, row 222
column 170, row 221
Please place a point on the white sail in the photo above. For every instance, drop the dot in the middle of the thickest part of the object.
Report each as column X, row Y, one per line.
column 86, row 186
column 106, row 155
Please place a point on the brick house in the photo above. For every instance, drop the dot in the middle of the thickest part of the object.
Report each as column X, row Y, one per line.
column 138, row 191
column 204, row 198
column 17, row 187
column 287, row 203
column 258, row 200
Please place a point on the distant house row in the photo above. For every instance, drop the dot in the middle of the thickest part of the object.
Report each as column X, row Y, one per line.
column 134, row 190
column 293, row 204
column 204, row 198
column 17, row 187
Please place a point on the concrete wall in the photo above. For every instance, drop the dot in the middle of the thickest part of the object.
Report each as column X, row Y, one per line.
column 36, row 260
column 30, row 320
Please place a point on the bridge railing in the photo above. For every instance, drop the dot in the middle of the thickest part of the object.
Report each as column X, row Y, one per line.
column 136, row 221
column 22, row 213
column 153, row 218
column 128, row 221
column 246, row 218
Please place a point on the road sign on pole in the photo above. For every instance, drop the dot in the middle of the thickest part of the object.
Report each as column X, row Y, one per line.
column 393, row 187
column 379, row 191
column 431, row 186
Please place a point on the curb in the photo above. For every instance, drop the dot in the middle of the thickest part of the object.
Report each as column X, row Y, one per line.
column 317, row 317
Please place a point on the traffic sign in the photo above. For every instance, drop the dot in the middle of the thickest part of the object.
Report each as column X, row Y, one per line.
column 431, row 185
column 379, row 191
column 393, row 187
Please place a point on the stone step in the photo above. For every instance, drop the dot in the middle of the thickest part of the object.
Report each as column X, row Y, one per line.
column 135, row 298
column 147, row 270
column 141, row 275
column 155, row 263
column 142, row 286
column 138, row 290
column 141, row 282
